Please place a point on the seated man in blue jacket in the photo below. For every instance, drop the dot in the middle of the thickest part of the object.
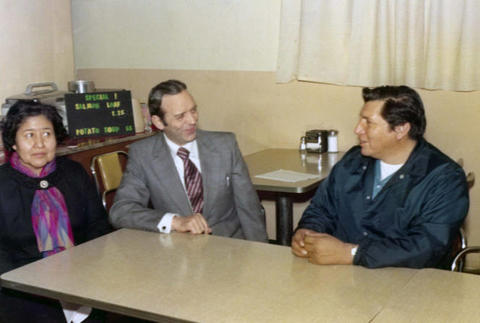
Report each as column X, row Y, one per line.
column 394, row 200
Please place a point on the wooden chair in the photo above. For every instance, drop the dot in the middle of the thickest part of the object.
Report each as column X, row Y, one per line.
column 107, row 170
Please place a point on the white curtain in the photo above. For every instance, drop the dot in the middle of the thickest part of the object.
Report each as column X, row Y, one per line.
column 432, row 44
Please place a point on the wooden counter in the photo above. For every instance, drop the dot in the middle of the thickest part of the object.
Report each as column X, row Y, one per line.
column 82, row 150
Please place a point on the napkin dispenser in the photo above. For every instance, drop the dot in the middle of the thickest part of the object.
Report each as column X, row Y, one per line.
column 316, row 141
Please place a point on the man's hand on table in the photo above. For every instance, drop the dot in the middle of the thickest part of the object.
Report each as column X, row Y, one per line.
column 298, row 244
column 321, row 248
column 195, row 224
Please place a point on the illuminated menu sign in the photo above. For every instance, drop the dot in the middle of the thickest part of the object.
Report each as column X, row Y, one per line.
column 99, row 114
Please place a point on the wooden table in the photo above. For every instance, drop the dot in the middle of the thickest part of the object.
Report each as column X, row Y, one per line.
column 207, row 279
column 288, row 159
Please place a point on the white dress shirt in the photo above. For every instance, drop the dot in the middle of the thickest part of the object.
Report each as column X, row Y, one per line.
column 165, row 225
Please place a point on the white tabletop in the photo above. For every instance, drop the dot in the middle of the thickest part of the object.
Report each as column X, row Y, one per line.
column 269, row 160
column 207, row 279
column 435, row 296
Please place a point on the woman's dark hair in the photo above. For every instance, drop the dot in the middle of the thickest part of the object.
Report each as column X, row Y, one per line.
column 169, row 87
column 22, row 110
column 401, row 104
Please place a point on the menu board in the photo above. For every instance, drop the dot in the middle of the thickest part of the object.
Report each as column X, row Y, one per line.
column 99, row 114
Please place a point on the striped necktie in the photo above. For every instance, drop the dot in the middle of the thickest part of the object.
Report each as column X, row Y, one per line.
column 193, row 181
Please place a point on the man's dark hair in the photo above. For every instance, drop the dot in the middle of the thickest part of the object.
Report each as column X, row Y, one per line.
column 22, row 110
column 401, row 104
column 169, row 87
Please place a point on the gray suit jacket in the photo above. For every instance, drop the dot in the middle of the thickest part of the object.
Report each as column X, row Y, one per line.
column 231, row 205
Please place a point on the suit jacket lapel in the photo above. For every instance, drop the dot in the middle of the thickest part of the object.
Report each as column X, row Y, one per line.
column 164, row 165
column 210, row 162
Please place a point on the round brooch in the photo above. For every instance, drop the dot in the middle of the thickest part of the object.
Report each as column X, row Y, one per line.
column 43, row 184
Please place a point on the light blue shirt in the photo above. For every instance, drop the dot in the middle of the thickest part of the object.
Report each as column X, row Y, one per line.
column 379, row 183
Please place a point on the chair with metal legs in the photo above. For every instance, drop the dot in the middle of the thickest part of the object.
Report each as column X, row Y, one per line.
column 107, row 170
column 458, row 262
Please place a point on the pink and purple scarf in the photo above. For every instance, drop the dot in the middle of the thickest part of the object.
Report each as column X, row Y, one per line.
column 50, row 220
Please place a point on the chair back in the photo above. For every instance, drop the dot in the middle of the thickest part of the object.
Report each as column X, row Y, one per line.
column 470, row 179
column 107, row 170
column 458, row 261
column 461, row 248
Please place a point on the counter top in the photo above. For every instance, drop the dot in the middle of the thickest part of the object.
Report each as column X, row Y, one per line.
column 78, row 145
column 72, row 146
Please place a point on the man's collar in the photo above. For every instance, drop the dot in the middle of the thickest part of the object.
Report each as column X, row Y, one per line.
column 413, row 163
column 416, row 162
column 190, row 146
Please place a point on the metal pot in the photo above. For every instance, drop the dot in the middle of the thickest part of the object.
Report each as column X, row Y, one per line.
column 81, row 86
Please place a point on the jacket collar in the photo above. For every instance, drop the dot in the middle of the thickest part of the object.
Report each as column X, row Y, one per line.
column 417, row 164
column 160, row 148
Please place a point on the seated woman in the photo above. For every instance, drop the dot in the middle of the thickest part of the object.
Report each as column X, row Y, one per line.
column 47, row 204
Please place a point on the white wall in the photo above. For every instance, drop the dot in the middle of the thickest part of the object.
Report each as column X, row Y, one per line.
column 36, row 44
column 237, row 35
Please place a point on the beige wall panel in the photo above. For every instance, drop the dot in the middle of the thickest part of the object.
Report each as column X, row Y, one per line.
column 264, row 114
column 178, row 34
column 37, row 45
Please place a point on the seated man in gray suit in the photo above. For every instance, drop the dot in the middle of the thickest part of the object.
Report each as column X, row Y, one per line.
column 196, row 180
